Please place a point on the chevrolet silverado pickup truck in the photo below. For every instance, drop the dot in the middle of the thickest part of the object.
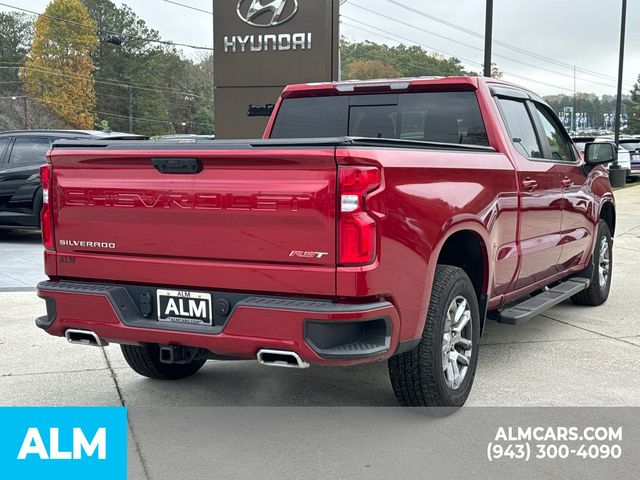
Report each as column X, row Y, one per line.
column 375, row 221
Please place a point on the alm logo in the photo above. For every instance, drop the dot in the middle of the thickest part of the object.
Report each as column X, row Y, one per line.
column 34, row 445
column 63, row 442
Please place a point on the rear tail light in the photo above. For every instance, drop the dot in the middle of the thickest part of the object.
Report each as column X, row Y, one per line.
column 45, row 214
column 356, row 229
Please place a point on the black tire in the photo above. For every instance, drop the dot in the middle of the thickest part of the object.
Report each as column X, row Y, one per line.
column 145, row 360
column 418, row 377
column 598, row 292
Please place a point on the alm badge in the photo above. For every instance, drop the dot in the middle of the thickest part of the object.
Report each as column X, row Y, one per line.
column 64, row 442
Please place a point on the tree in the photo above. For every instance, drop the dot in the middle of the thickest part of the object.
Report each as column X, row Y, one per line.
column 163, row 86
column 15, row 38
column 496, row 72
column 407, row 61
column 369, row 69
column 59, row 70
column 633, row 109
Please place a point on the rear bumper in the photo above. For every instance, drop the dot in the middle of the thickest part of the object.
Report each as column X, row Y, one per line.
column 319, row 331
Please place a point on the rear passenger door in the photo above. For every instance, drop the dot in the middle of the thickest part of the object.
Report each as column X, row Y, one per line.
column 577, row 202
column 19, row 177
column 540, row 192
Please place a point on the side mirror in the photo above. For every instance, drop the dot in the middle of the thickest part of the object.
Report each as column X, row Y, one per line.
column 597, row 153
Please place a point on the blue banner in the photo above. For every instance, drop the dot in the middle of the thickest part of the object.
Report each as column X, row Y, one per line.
column 63, row 442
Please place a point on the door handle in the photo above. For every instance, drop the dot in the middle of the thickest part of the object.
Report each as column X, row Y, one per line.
column 567, row 182
column 177, row 165
column 529, row 184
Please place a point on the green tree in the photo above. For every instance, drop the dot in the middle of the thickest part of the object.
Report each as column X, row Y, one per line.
column 633, row 109
column 407, row 61
column 128, row 73
column 15, row 38
column 369, row 69
column 167, row 90
column 59, row 70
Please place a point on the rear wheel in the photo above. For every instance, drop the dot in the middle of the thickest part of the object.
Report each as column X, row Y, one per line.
column 439, row 372
column 602, row 268
column 145, row 360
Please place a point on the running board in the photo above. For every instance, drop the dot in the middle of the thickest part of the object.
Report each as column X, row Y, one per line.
column 540, row 303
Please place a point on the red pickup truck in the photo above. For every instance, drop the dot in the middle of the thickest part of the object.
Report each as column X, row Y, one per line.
column 375, row 221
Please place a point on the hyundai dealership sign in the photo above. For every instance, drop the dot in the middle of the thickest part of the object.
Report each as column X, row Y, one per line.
column 263, row 45
column 270, row 14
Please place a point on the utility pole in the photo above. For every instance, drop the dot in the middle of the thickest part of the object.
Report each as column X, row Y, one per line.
column 130, row 106
column 573, row 113
column 118, row 41
column 488, row 33
column 623, row 26
column 26, row 112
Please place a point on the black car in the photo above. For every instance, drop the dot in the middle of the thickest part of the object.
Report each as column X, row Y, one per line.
column 22, row 152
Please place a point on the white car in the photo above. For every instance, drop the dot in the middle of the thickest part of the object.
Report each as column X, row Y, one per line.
column 624, row 157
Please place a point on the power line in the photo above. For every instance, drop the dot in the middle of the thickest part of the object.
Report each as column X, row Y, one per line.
column 73, row 22
column 148, row 120
column 555, row 72
column 188, row 6
column 108, row 82
column 411, row 64
column 503, row 44
column 450, row 54
column 438, row 51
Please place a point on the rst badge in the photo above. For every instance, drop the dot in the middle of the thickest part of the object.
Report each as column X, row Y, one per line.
column 177, row 306
column 303, row 254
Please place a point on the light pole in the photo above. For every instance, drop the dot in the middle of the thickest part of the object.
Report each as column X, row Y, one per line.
column 25, row 111
column 623, row 23
column 22, row 75
column 488, row 33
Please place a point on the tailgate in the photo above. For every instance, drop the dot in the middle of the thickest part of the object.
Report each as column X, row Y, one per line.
column 246, row 206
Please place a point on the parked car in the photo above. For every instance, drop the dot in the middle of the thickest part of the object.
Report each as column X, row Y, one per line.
column 375, row 221
column 624, row 158
column 632, row 145
column 22, row 152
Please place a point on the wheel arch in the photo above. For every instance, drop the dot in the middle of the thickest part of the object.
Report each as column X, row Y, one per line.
column 466, row 246
column 608, row 214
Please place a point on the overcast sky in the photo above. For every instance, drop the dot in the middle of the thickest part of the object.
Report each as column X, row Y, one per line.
column 547, row 37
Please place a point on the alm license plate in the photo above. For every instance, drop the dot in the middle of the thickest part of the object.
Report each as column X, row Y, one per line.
column 178, row 306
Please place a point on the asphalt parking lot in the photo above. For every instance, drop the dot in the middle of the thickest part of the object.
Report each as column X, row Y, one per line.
column 571, row 356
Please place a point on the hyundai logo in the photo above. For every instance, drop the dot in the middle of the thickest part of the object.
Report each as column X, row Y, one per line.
column 270, row 14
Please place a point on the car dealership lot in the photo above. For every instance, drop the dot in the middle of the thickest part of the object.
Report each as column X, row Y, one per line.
column 569, row 356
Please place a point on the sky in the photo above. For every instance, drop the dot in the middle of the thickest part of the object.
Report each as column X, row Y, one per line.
column 537, row 43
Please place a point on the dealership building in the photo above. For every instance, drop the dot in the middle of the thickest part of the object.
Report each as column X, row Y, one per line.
column 263, row 45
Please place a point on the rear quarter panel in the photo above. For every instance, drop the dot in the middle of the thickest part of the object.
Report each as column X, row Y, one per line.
column 425, row 197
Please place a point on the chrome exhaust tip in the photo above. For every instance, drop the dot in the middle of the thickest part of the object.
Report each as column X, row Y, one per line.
column 83, row 337
column 280, row 358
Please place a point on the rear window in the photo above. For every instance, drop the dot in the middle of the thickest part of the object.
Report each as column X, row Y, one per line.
column 29, row 150
column 449, row 117
column 4, row 142
column 631, row 146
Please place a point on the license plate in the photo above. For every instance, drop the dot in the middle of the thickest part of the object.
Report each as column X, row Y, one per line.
column 178, row 306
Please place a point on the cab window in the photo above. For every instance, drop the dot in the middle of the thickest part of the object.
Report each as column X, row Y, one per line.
column 557, row 140
column 520, row 127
